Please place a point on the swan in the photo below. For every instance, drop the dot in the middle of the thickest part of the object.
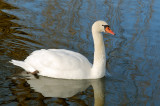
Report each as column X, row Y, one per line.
column 65, row 64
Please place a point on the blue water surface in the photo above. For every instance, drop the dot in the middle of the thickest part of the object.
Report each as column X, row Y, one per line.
column 132, row 55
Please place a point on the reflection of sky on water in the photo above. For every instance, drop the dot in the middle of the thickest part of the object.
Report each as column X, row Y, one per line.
column 132, row 55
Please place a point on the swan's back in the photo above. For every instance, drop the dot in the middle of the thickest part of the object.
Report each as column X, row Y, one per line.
column 59, row 63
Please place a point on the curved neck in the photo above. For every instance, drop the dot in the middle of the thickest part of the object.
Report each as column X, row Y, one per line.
column 99, row 55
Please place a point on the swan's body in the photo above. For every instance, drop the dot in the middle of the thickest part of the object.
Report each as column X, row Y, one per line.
column 65, row 64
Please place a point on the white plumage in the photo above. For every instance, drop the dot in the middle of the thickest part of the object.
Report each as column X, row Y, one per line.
column 65, row 64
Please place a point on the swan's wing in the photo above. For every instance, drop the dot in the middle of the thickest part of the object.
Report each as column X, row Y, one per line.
column 58, row 60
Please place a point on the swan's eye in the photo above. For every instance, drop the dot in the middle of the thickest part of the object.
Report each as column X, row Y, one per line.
column 105, row 26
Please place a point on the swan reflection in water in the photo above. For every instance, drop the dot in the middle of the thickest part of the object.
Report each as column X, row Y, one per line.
column 61, row 88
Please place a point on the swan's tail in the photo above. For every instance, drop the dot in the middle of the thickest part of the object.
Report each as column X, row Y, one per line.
column 23, row 65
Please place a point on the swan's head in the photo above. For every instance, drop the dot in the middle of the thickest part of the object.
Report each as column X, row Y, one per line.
column 102, row 26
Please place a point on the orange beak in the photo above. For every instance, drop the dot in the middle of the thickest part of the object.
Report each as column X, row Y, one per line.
column 108, row 30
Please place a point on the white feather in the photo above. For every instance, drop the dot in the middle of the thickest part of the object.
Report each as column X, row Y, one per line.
column 60, row 63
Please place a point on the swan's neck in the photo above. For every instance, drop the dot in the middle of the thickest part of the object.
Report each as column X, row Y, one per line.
column 98, row 69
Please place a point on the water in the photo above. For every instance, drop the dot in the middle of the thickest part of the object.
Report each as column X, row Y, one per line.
column 132, row 55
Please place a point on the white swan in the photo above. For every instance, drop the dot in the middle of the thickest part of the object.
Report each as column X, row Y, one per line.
column 65, row 64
